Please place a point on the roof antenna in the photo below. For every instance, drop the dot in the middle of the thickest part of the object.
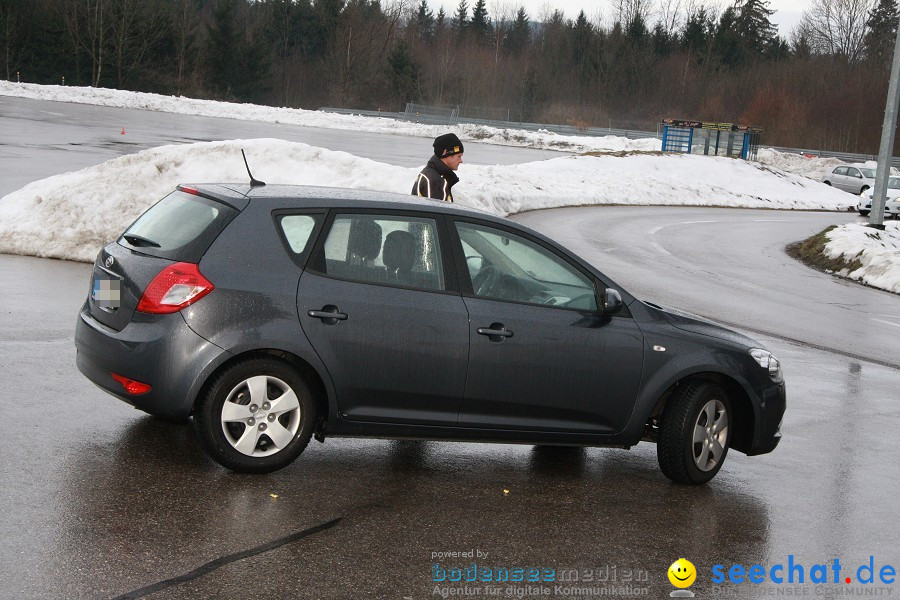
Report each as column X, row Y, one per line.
column 253, row 182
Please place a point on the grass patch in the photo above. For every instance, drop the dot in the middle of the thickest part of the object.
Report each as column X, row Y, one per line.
column 811, row 252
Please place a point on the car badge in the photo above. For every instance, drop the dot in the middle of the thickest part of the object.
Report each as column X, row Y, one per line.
column 109, row 261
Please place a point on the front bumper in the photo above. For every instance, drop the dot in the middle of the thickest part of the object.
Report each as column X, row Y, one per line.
column 160, row 350
column 771, row 411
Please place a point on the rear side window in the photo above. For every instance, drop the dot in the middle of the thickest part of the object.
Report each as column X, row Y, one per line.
column 179, row 227
column 388, row 250
column 297, row 230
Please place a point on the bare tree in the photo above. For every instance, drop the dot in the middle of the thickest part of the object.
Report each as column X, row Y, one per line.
column 836, row 27
column 670, row 14
column 502, row 13
column 627, row 11
column 134, row 27
column 13, row 34
column 185, row 23
column 87, row 28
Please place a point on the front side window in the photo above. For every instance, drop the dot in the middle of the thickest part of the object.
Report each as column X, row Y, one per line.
column 868, row 173
column 505, row 266
column 401, row 251
column 853, row 173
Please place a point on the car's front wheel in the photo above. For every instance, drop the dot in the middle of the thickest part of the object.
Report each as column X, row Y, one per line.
column 695, row 433
column 255, row 417
column 864, row 213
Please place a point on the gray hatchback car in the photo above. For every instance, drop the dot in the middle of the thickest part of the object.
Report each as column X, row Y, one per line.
column 271, row 314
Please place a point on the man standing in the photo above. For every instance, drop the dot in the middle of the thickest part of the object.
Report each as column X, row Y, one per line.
column 438, row 176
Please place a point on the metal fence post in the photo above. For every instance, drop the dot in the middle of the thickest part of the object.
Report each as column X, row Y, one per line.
column 888, row 131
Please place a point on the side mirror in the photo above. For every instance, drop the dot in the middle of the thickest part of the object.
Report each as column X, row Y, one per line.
column 611, row 302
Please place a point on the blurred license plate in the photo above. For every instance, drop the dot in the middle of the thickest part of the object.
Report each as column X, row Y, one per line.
column 107, row 293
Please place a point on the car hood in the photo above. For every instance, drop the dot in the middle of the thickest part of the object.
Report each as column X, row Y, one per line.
column 693, row 323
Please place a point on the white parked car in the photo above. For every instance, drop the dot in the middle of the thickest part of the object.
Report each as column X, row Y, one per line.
column 891, row 203
column 855, row 179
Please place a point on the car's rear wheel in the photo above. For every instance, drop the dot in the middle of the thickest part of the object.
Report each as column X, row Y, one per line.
column 827, row 182
column 864, row 189
column 255, row 417
column 864, row 213
column 695, row 433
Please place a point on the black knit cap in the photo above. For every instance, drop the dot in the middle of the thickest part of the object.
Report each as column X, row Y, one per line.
column 447, row 145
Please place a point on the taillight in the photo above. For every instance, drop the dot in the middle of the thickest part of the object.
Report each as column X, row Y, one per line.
column 176, row 287
column 131, row 386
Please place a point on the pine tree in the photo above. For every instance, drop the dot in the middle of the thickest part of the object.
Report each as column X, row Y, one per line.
column 480, row 25
column 663, row 41
column 727, row 39
column 882, row 31
column 403, row 72
column 519, row 34
column 636, row 30
column 440, row 22
column 460, row 20
column 754, row 28
column 697, row 30
column 425, row 22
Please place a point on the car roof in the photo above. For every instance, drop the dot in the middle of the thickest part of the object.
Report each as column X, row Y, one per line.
column 239, row 195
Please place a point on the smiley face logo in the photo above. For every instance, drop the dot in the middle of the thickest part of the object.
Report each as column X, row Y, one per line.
column 682, row 573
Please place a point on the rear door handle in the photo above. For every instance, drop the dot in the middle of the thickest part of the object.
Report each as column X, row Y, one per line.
column 496, row 332
column 329, row 314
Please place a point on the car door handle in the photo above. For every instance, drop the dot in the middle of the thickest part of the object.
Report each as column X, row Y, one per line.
column 496, row 332
column 329, row 314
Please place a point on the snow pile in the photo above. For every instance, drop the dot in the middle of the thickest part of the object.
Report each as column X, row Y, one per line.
column 798, row 164
column 642, row 179
column 71, row 216
column 545, row 140
column 877, row 251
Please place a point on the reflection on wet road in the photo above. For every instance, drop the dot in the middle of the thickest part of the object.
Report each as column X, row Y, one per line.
column 100, row 501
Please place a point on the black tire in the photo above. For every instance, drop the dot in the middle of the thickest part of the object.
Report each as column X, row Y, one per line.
column 827, row 183
column 264, row 429
column 864, row 213
column 863, row 190
column 682, row 459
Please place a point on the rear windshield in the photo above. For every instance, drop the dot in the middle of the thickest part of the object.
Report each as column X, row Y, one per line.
column 179, row 227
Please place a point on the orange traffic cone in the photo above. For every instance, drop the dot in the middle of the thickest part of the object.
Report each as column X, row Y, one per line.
column 123, row 131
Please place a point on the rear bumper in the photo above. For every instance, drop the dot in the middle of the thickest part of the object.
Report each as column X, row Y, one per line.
column 159, row 350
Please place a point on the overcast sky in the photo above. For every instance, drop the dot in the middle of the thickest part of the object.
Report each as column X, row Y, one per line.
column 787, row 12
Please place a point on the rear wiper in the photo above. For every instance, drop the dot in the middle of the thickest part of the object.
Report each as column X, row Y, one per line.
column 139, row 240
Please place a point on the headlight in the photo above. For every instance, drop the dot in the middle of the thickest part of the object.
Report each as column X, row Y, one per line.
column 767, row 361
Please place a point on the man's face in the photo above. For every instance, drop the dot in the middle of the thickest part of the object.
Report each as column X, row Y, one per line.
column 453, row 161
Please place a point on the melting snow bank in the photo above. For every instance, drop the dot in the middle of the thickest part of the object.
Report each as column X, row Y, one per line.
column 877, row 251
column 791, row 163
column 544, row 140
column 71, row 216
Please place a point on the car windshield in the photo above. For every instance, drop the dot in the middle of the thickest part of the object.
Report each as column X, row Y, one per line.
column 868, row 173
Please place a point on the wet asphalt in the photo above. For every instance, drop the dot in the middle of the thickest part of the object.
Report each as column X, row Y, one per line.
column 98, row 500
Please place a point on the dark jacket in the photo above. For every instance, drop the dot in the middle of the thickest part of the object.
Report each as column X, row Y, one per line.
column 435, row 181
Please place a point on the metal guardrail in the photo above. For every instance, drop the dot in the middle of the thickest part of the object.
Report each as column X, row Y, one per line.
column 431, row 119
